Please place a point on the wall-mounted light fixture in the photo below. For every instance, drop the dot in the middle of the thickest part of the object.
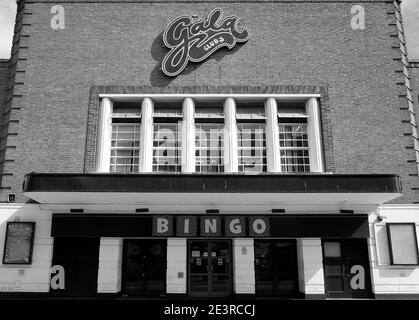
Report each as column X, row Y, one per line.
column 278, row 210
column 212, row 211
column 76, row 210
column 347, row 211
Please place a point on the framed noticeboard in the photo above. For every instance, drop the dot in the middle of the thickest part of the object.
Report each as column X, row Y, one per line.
column 18, row 245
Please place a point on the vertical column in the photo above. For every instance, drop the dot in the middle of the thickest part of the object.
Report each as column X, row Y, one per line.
column 310, row 267
column 103, row 151
column 230, row 136
column 188, row 136
column 110, row 265
column 272, row 136
column 176, row 265
column 146, row 136
column 244, row 266
column 314, row 135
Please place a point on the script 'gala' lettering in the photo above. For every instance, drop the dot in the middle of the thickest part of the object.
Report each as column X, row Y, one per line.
column 195, row 40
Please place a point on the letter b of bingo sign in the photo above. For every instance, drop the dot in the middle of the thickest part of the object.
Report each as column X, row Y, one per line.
column 357, row 277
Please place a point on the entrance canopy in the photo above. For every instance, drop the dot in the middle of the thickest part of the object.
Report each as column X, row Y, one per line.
column 182, row 189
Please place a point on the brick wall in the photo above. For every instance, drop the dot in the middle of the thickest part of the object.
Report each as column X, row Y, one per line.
column 4, row 83
column 414, row 74
column 4, row 89
column 119, row 44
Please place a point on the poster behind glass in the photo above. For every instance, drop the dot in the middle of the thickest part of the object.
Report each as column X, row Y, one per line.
column 19, row 243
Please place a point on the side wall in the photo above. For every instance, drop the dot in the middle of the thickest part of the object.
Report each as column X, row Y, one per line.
column 414, row 75
column 4, row 89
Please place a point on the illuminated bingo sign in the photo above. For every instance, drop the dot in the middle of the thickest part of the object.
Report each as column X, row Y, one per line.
column 193, row 39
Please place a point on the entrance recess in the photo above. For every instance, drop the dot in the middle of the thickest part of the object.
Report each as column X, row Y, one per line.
column 144, row 267
column 80, row 259
column 346, row 268
column 210, row 269
column 276, row 269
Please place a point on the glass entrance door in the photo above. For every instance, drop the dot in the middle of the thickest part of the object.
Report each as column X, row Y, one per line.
column 144, row 267
column 210, row 271
column 346, row 268
column 276, row 270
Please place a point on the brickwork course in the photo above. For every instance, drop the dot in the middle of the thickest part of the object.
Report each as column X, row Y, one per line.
column 414, row 74
column 294, row 44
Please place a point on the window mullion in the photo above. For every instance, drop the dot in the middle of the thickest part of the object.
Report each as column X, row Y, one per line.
column 188, row 136
column 104, row 136
column 272, row 136
column 314, row 135
column 146, row 135
column 230, row 136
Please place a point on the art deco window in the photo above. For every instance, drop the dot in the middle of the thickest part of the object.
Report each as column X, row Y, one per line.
column 209, row 138
column 125, row 143
column 251, row 138
column 402, row 243
column 167, row 137
column 293, row 138
column 197, row 133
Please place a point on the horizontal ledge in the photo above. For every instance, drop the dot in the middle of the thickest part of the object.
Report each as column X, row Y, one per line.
column 207, row 96
column 217, row 188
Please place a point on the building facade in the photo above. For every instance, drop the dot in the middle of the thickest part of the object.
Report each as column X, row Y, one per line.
column 209, row 149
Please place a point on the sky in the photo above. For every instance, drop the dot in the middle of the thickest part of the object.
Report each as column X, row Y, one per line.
column 410, row 10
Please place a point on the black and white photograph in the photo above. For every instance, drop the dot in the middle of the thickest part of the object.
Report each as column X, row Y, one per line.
column 209, row 158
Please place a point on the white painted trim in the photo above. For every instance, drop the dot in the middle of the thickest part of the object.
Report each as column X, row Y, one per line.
column 314, row 135
column 243, row 251
column 176, row 263
column 272, row 136
column 104, row 136
column 110, row 265
column 146, row 136
column 310, row 265
column 400, row 206
column 186, row 198
column 225, row 209
column 207, row 96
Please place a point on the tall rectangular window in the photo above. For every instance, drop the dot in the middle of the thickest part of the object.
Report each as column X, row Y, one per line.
column 209, row 147
column 403, row 244
column 293, row 146
column 209, row 136
column 293, row 137
column 167, row 137
column 251, row 137
column 125, row 143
